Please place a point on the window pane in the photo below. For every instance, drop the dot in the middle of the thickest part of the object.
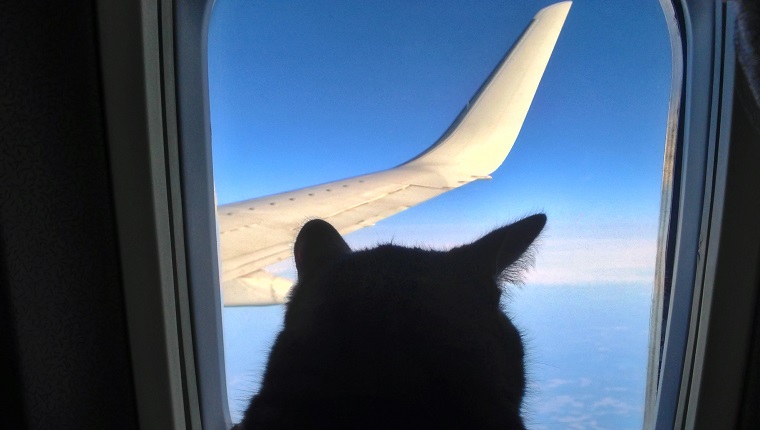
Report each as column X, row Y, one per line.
column 304, row 93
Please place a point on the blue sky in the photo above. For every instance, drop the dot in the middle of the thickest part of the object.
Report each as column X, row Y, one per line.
column 308, row 92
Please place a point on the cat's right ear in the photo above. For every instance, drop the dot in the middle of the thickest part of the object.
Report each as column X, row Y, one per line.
column 507, row 246
column 318, row 245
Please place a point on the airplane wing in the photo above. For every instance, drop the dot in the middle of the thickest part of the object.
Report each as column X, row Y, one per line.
column 258, row 232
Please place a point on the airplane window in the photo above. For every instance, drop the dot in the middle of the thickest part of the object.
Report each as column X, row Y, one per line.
column 306, row 93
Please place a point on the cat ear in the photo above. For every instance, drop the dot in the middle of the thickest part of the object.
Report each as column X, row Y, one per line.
column 318, row 245
column 506, row 246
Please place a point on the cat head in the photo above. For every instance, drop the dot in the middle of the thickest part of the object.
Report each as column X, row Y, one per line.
column 500, row 256
column 377, row 334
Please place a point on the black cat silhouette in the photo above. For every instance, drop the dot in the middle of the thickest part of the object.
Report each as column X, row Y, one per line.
column 395, row 337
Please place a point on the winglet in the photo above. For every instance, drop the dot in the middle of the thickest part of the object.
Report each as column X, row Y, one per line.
column 482, row 135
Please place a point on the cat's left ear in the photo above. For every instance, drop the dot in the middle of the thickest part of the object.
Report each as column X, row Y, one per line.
column 503, row 247
column 318, row 245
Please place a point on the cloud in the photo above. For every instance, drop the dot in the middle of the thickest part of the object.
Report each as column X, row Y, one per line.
column 569, row 252
column 614, row 406
column 580, row 422
column 574, row 261
column 558, row 403
column 574, row 419
column 584, row 422
column 617, row 389
column 556, row 382
column 559, row 382
column 584, row 411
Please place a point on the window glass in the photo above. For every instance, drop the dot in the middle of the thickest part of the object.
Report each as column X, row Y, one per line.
column 304, row 93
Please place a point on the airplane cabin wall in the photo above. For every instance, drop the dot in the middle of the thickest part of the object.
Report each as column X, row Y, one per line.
column 65, row 354
column 746, row 136
column 746, row 131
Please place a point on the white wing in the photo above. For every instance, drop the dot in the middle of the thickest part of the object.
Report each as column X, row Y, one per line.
column 259, row 232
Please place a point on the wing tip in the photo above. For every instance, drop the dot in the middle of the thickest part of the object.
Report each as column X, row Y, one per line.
column 562, row 8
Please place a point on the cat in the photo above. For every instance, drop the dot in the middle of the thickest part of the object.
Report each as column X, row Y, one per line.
column 395, row 337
